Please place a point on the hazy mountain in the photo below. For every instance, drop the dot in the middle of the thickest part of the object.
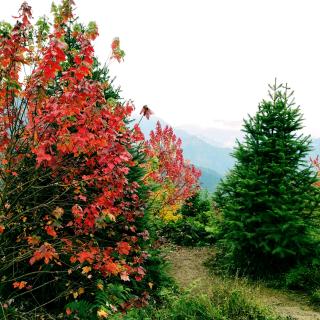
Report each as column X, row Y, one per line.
column 223, row 136
column 316, row 148
column 213, row 160
column 205, row 155
column 199, row 152
column 209, row 179
column 227, row 134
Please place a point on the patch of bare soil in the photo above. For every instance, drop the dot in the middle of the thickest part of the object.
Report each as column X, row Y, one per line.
column 190, row 273
column 188, row 267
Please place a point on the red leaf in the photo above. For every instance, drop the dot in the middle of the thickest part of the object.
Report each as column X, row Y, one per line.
column 112, row 268
column 124, row 247
column 50, row 231
column 46, row 252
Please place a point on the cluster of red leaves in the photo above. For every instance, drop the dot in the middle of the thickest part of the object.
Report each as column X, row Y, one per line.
column 45, row 252
column 172, row 169
column 105, row 263
column 12, row 56
column 60, row 121
column 78, row 135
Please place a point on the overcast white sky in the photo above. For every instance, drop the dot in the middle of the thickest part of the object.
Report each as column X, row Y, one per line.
column 206, row 62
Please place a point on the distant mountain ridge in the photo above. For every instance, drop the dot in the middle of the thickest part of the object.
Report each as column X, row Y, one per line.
column 213, row 161
column 205, row 155
column 316, row 148
column 209, row 179
column 223, row 137
column 211, row 158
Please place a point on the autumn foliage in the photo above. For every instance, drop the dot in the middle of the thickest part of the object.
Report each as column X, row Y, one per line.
column 168, row 168
column 69, row 199
column 73, row 174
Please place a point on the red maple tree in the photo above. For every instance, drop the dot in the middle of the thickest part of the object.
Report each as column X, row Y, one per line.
column 67, row 156
column 178, row 178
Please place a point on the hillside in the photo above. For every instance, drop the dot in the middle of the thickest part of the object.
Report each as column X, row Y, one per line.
column 209, row 179
column 205, row 155
column 223, row 136
column 214, row 161
column 316, row 148
column 199, row 152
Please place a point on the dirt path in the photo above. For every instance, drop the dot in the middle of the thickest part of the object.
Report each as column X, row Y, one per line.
column 189, row 271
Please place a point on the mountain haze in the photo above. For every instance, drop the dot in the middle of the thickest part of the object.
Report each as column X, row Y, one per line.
column 213, row 161
column 209, row 179
column 223, row 136
column 204, row 148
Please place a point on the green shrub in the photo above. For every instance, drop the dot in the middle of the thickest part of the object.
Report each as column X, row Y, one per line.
column 306, row 278
column 192, row 231
column 198, row 225
column 226, row 305
column 196, row 205
column 157, row 278
column 315, row 297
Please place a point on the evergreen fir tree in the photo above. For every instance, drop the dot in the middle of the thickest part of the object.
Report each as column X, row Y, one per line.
column 268, row 200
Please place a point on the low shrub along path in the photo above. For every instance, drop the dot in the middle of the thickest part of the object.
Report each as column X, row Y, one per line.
column 189, row 271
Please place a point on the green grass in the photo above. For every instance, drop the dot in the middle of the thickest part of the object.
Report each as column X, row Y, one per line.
column 223, row 302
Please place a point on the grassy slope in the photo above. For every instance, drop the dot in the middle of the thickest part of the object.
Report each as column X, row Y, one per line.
column 189, row 272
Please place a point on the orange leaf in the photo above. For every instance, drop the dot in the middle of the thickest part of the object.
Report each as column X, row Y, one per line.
column 58, row 212
column 112, row 267
column 20, row 285
column 100, row 286
column 80, row 291
column 124, row 276
column 73, row 259
column 33, row 240
column 102, row 314
column 86, row 269
column 46, row 252
column 124, row 247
